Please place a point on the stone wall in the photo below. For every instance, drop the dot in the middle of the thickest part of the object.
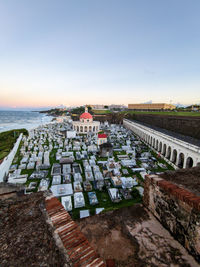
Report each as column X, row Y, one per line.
column 177, row 209
column 5, row 165
column 178, row 124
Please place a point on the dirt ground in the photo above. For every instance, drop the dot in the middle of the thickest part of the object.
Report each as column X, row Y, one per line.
column 133, row 237
column 188, row 178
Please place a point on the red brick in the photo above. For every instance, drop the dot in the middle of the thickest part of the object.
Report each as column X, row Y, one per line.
column 86, row 260
column 74, row 235
column 83, row 245
column 75, row 243
column 98, row 262
column 75, row 257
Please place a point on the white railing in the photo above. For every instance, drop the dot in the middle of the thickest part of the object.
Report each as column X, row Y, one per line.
column 5, row 165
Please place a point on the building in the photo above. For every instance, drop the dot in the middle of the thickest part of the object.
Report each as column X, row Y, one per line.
column 194, row 108
column 154, row 106
column 102, row 138
column 96, row 106
column 86, row 124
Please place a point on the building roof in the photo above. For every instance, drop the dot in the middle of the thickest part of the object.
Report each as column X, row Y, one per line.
column 102, row 136
column 86, row 115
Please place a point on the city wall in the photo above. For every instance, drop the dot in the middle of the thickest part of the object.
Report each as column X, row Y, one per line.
column 178, row 124
column 5, row 165
column 177, row 209
column 186, row 125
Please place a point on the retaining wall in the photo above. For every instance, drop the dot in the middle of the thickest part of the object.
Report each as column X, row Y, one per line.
column 5, row 165
column 177, row 124
column 177, row 209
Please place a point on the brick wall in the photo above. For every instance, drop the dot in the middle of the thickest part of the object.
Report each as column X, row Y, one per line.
column 77, row 247
column 177, row 209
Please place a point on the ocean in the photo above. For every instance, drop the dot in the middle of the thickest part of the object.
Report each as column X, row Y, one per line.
column 10, row 120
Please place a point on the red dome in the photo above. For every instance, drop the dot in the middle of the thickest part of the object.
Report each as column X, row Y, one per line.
column 86, row 115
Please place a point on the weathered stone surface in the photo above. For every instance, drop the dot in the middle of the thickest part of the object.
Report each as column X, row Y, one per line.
column 176, row 209
column 133, row 237
column 25, row 237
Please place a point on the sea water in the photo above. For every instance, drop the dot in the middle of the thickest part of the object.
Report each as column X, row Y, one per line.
column 10, row 120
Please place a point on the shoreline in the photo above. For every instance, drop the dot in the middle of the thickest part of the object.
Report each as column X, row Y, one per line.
column 28, row 123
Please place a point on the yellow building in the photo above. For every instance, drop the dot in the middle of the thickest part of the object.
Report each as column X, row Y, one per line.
column 154, row 106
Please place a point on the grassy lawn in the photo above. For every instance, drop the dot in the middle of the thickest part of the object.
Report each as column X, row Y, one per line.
column 161, row 160
column 99, row 111
column 8, row 139
column 105, row 202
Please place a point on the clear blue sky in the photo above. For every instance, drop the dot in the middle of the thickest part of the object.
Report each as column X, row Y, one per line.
column 99, row 51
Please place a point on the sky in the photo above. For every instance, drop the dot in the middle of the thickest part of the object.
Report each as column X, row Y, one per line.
column 76, row 52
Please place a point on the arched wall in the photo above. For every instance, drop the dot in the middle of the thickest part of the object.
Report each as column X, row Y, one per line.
column 86, row 127
column 178, row 152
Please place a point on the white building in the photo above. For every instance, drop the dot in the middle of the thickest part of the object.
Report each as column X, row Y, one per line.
column 102, row 138
column 86, row 124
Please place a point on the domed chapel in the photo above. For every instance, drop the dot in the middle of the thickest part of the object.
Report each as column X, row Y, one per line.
column 86, row 124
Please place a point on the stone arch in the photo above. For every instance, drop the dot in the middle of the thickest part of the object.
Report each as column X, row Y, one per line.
column 157, row 144
column 164, row 149
column 181, row 159
column 93, row 128
column 189, row 162
column 169, row 150
column 174, row 156
column 81, row 129
column 90, row 128
column 85, row 129
column 77, row 128
column 160, row 147
column 151, row 140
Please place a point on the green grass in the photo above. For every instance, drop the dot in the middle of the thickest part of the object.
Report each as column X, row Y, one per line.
column 106, row 203
column 8, row 139
column 102, row 158
column 172, row 113
column 101, row 112
column 161, row 160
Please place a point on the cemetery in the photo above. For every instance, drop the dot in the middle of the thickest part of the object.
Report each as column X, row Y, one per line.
column 86, row 176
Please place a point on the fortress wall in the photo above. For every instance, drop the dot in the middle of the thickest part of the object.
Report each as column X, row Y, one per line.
column 177, row 209
column 186, row 125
